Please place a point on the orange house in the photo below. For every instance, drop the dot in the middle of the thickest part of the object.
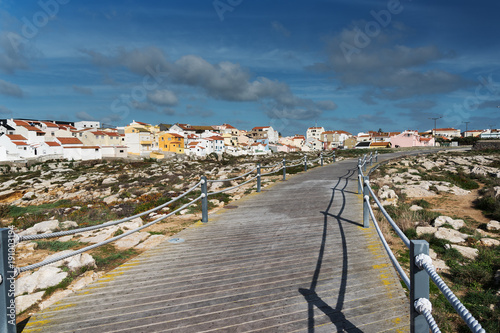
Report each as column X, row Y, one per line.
column 172, row 142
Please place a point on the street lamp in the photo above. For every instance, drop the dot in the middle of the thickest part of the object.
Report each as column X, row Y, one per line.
column 434, row 130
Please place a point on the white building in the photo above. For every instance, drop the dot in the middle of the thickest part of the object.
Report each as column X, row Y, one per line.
column 87, row 124
column 314, row 132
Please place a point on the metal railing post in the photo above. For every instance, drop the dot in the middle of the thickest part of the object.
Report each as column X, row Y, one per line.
column 284, row 169
column 258, row 177
column 7, row 281
column 204, row 200
column 366, row 202
column 305, row 163
column 364, row 166
column 419, row 286
column 321, row 156
column 371, row 159
column 360, row 180
column 376, row 156
column 334, row 157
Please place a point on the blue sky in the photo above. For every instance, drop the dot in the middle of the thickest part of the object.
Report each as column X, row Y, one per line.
column 355, row 65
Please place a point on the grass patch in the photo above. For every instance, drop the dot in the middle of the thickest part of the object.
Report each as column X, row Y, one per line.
column 57, row 246
column 107, row 256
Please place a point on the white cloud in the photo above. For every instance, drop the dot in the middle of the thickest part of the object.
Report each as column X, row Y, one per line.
column 10, row 89
column 163, row 98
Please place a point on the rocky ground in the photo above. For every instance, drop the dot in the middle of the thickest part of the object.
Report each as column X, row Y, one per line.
column 438, row 197
column 58, row 196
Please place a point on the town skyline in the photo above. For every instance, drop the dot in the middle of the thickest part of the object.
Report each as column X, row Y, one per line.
column 350, row 65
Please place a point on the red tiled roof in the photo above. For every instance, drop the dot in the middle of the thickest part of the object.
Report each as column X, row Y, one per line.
column 32, row 128
column 229, row 126
column 20, row 143
column 425, row 139
column 216, row 138
column 49, row 124
column 16, row 137
column 52, row 144
column 21, row 123
column 69, row 141
column 444, row 129
column 141, row 123
column 99, row 133
column 175, row 135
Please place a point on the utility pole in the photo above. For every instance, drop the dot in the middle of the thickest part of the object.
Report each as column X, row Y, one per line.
column 434, row 129
column 466, row 127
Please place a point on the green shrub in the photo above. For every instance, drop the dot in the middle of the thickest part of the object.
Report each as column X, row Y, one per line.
column 57, row 246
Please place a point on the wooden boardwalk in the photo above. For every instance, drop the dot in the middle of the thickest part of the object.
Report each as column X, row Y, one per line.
column 293, row 258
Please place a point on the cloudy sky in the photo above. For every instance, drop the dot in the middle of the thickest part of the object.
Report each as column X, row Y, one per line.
column 355, row 65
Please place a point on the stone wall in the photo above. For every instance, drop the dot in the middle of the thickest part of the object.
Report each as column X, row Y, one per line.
column 487, row 144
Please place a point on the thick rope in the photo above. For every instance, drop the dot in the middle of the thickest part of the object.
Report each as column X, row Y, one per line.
column 395, row 262
column 271, row 166
column 107, row 224
column 422, row 261
column 88, row 248
column 229, row 179
column 268, row 173
column 232, row 188
column 424, row 307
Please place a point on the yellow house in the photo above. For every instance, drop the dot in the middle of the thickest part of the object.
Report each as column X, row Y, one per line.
column 171, row 142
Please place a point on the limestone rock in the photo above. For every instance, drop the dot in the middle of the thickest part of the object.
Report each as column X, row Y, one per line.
column 493, row 225
column 45, row 277
column 87, row 278
column 69, row 224
column 131, row 240
column 151, row 242
column 132, row 224
column 451, row 235
column 73, row 263
column 97, row 236
column 497, row 191
column 441, row 220
column 467, row 252
column 111, row 198
column 417, row 191
column 41, row 228
column 426, row 230
column 29, row 195
column 109, row 180
column 490, row 242
column 25, row 301
column 415, row 208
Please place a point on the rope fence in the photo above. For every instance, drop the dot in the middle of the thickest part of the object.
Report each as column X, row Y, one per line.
column 421, row 268
column 9, row 271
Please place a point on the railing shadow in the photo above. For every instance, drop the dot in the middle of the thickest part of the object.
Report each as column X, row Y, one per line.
column 313, row 299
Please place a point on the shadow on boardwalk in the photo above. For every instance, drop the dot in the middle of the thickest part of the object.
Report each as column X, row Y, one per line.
column 313, row 299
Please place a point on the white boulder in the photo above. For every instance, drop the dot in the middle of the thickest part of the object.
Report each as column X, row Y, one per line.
column 426, row 230
column 493, row 225
column 490, row 242
column 131, row 240
column 69, row 224
column 41, row 228
column 451, row 235
column 151, row 242
column 25, row 301
column 45, row 277
column 73, row 263
column 442, row 220
column 467, row 252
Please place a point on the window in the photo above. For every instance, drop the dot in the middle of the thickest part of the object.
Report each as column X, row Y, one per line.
column 121, row 151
